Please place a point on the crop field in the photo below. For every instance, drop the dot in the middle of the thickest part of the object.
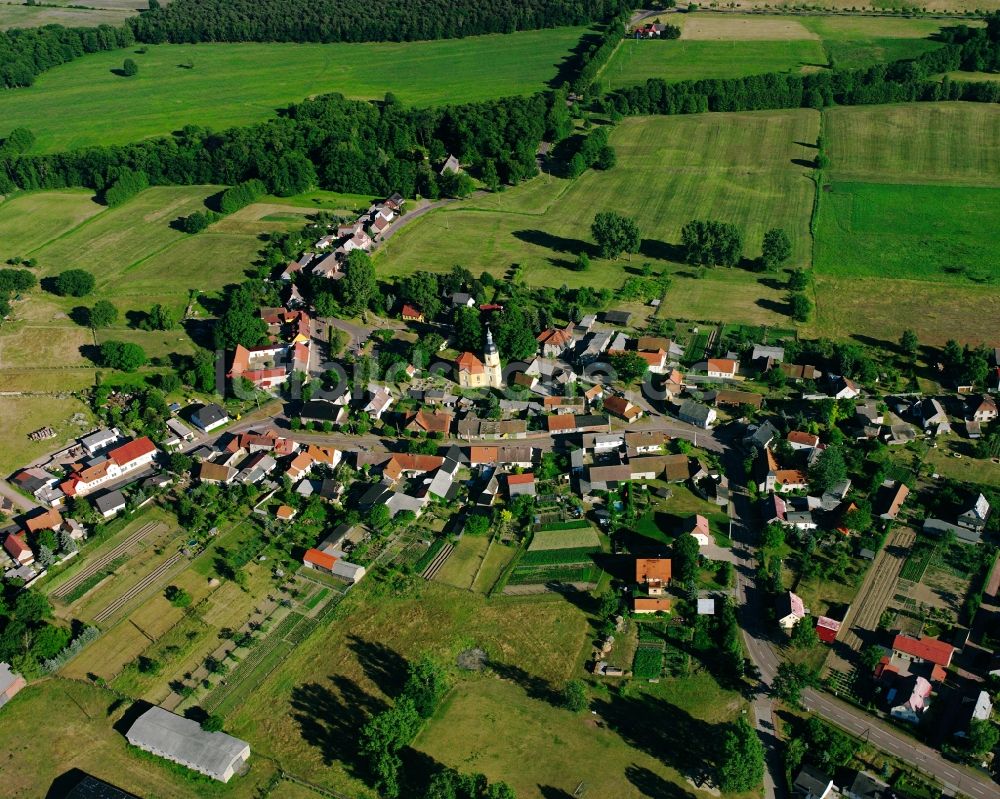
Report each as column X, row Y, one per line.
column 644, row 741
column 205, row 84
column 66, row 712
column 669, row 171
column 309, row 710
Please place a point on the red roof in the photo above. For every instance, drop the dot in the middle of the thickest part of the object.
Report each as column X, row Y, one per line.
column 827, row 629
column 929, row 649
column 467, row 362
column 16, row 547
column 727, row 365
column 520, row 479
column 652, row 605
column 805, row 439
column 560, row 421
column 409, row 312
column 318, row 558
column 131, row 451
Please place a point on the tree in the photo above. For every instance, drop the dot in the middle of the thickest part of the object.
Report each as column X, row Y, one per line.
column 712, row 243
column 177, row 596
column 74, row 283
column 859, row 519
column 574, row 696
column 983, row 736
column 103, row 314
column 909, row 342
column 358, row 285
column 798, row 280
column 378, row 517
column 469, row 334
column 212, row 723
column 685, row 559
column 629, row 365
column 582, row 263
column 240, row 324
column 426, row 684
column 801, row 306
column 804, row 635
column 129, row 68
column 615, row 234
column 742, row 762
column 490, row 178
column 828, row 470
column 160, row 318
column 776, row 248
column 32, row 607
column 515, row 336
column 773, row 536
column 121, row 355
column 790, row 680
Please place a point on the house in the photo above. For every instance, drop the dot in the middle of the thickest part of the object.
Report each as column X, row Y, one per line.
column 99, row 440
column 890, row 498
column 50, row 519
column 790, row 610
column 722, row 367
column 34, row 481
column 623, row 408
column 865, row 786
column 333, row 564
column 461, row 299
column 766, row 356
column 322, row 409
column 285, row 513
column 411, row 314
column 676, row 468
column 181, row 740
column 603, row 478
column 437, row 422
column 644, row 442
column 404, row 463
column 378, row 403
column 209, row 417
column 697, row 526
column 868, row 413
column 918, row 692
column 980, row 708
column 842, row 388
column 772, row 509
column 652, row 575
column 117, row 463
column 827, row 629
column 179, row 429
column 209, row 472
column 799, row 440
column 975, row 518
column 594, row 393
column 519, row 485
column 642, row 605
column 771, row 477
column 739, row 398
column 562, row 423
column 16, row 547
column 794, row 371
column 931, row 416
column 10, row 683
column 982, row 408
column 554, row 341
column 618, row 318
column 706, row 606
column 811, row 783
column 110, row 504
column 452, row 165
column 697, row 414
column 763, row 435
column 800, row 520
column 907, row 649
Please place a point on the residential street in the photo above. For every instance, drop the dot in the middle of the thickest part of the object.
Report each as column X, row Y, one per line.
column 958, row 779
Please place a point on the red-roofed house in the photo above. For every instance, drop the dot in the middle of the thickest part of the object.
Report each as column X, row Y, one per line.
column 404, row 463
column 521, row 485
column 555, row 340
column 827, row 629
column 121, row 460
column 800, row 440
column 922, row 650
column 411, row 314
column 791, row 610
column 560, row 422
column 653, row 574
column 18, row 550
column 424, row 421
column 623, row 408
column 644, row 605
column 722, row 367
column 697, row 526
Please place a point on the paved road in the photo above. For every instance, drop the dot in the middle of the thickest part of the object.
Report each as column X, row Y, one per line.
column 19, row 500
column 956, row 779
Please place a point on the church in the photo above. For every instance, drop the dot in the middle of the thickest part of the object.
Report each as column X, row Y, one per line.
column 475, row 373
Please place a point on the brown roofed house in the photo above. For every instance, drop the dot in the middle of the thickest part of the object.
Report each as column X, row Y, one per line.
column 653, row 574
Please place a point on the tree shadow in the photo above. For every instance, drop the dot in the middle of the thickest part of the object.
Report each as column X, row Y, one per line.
column 330, row 719
column 50, row 285
column 551, row 792
column 653, row 785
column 810, row 144
column 804, row 162
column 773, row 283
column 118, row 71
column 535, row 687
column 568, row 68
column 80, row 315
column 661, row 250
column 91, row 352
column 783, row 308
column 383, row 666
column 557, row 243
column 200, row 331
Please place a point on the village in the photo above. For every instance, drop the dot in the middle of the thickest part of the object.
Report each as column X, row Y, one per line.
column 610, row 454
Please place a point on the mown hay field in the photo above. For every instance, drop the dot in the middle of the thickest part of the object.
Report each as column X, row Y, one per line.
column 222, row 85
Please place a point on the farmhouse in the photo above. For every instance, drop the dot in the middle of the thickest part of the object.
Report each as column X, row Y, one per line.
column 653, row 575
column 697, row 414
column 119, row 462
column 16, row 547
column 722, row 367
column 623, row 408
column 411, row 314
column 906, row 649
column 651, row 605
column 46, row 520
column 110, row 504
column 890, row 498
column 519, row 485
column 215, row 754
column 554, row 341
column 333, row 563
column 438, row 422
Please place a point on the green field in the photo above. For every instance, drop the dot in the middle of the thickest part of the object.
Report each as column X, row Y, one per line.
column 25, row 16
column 735, row 45
column 218, row 93
column 670, row 170
column 937, row 233
column 565, row 539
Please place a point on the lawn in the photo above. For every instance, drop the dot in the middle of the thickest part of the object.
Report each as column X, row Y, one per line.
column 309, row 710
column 77, row 722
column 635, row 746
column 206, row 84
column 583, row 536
column 462, row 565
column 670, row 170
column 953, row 143
column 23, row 415
column 938, row 233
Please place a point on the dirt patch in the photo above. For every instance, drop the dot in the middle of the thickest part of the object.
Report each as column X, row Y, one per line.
column 472, row 659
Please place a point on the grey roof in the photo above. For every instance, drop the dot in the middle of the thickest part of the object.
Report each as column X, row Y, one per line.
column 763, row 351
column 178, row 427
column 208, row 415
column 763, row 435
column 110, row 501
column 690, row 409
column 184, row 741
column 810, row 782
column 99, row 439
column 617, row 317
column 865, row 786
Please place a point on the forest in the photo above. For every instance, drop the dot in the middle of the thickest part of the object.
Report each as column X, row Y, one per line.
column 188, row 21
column 25, row 54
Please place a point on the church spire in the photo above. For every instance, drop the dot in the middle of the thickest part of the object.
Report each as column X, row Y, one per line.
column 491, row 348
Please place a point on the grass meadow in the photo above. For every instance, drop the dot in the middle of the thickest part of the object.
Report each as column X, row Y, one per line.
column 208, row 85
column 670, row 170
column 24, row 415
column 734, row 45
column 24, row 16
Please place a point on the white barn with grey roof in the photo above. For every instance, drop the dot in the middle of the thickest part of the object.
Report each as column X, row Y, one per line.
column 214, row 754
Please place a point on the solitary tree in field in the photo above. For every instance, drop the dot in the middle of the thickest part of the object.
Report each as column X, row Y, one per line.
column 615, row 234
column 103, row 314
column 776, row 249
column 908, row 342
column 129, row 68
column 74, row 283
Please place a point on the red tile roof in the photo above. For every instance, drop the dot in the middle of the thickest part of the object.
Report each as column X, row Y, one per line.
column 15, row 545
column 805, row 439
column 929, row 649
column 49, row 520
column 467, row 362
column 409, row 312
column 727, row 365
column 131, row 451
column 560, row 421
column 479, row 455
column 647, row 569
column 318, row 558
column 520, row 479
column 652, row 605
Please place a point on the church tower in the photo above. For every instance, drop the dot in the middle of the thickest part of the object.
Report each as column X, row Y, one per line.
column 491, row 361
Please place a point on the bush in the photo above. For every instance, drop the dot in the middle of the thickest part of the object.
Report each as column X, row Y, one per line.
column 575, row 697
column 124, row 187
column 103, row 314
column 198, row 221
column 130, row 68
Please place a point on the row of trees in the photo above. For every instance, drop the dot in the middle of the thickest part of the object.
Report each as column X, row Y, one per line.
column 185, row 21
column 338, row 144
column 900, row 81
